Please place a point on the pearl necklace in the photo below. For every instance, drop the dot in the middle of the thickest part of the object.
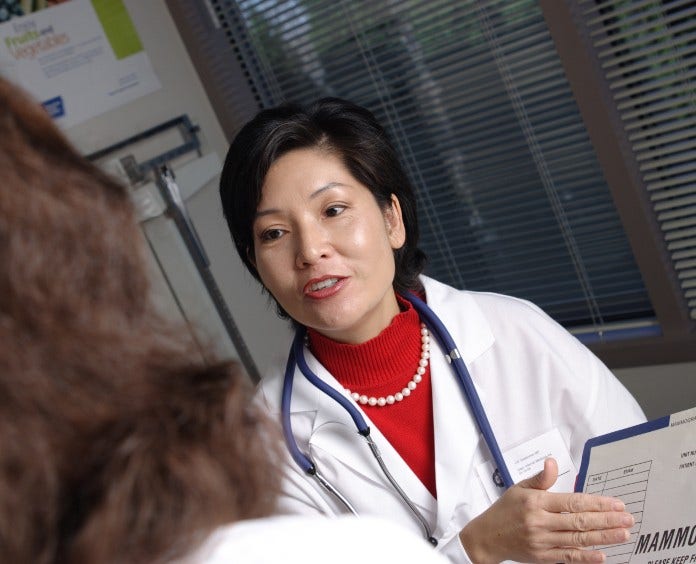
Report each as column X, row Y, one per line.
column 412, row 384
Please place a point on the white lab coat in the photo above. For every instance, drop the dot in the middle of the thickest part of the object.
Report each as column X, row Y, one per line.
column 301, row 540
column 531, row 375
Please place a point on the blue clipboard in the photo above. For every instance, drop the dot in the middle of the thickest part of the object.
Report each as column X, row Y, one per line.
column 639, row 429
column 651, row 467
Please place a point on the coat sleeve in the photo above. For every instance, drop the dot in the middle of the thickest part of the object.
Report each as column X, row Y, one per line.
column 609, row 405
column 605, row 405
column 454, row 551
column 554, row 378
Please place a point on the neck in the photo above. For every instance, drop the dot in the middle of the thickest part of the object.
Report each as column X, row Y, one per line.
column 388, row 356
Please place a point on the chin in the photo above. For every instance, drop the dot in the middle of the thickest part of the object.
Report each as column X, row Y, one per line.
column 334, row 330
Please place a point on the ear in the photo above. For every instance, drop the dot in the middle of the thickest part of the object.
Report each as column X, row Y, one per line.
column 394, row 221
column 251, row 256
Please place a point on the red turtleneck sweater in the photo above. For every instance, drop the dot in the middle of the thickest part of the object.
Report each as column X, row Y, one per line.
column 383, row 366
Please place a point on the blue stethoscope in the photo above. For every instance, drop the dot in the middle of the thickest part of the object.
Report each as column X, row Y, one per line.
column 296, row 359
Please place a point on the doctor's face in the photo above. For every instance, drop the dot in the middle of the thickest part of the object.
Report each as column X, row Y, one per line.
column 324, row 248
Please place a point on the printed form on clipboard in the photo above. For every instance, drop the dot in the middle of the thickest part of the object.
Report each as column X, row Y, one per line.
column 652, row 468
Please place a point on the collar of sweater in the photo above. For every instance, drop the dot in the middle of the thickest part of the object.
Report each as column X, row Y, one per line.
column 386, row 361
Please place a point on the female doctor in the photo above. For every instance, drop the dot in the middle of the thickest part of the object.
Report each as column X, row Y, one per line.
column 323, row 215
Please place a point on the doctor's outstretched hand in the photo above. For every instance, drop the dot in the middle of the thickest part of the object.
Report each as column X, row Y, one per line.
column 530, row 524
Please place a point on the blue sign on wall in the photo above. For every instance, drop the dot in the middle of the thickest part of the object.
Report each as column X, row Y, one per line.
column 55, row 107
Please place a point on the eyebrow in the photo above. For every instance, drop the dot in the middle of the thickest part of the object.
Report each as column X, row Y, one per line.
column 313, row 195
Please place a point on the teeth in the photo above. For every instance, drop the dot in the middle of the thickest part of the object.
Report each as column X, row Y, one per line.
column 323, row 284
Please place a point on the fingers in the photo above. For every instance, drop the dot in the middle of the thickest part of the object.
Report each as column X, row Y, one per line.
column 579, row 502
column 574, row 546
column 572, row 555
column 573, row 533
column 593, row 521
column 530, row 524
column 591, row 538
column 544, row 479
column 571, row 503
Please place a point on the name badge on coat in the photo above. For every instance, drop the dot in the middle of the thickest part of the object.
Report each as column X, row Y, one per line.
column 527, row 459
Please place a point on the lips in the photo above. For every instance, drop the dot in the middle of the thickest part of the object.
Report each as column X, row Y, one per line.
column 323, row 287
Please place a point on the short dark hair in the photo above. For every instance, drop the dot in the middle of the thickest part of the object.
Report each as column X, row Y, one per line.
column 345, row 129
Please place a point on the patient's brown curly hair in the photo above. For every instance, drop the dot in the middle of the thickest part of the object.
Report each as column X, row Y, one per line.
column 118, row 441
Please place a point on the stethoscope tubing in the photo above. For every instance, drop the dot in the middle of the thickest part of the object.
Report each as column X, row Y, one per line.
column 296, row 357
column 438, row 329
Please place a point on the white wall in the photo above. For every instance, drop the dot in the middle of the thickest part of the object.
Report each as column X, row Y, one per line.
column 659, row 389
column 182, row 93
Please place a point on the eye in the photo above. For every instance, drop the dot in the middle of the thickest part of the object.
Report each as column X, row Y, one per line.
column 271, row 234
column 334, row 210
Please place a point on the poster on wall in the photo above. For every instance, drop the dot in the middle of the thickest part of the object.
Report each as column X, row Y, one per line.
column 79, row 58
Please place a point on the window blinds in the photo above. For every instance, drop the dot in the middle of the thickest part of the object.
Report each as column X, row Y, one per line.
column 647, row 50
column 473, row 94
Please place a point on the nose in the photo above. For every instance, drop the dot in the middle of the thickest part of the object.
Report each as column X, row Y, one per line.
column 313, row 244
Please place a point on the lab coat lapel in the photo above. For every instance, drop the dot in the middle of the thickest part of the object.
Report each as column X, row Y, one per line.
column 456, row 439
column 334, row 432
column 456, row 434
